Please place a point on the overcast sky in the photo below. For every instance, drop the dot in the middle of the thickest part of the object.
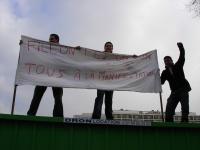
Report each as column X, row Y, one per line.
column 134, row 27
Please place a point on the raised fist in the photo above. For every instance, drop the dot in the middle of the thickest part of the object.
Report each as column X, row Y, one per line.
column 180, row 45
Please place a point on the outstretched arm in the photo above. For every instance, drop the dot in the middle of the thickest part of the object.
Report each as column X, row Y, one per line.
column 78, row 47
column 181, row 59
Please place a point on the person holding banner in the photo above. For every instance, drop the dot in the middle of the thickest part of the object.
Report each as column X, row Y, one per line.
column 40, row 90
column 179, row 86
column 108, row 47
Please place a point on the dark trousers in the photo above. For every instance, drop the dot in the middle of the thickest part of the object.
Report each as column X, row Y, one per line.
column 172, row 102
column 98, row 104
column 37, row 96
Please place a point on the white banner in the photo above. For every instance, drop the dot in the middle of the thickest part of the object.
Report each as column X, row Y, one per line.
column 48, row 64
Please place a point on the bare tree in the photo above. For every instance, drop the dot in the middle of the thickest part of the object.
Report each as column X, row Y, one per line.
column 194, row 6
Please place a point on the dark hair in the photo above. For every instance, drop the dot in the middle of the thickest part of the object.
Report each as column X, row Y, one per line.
column 108, row 43
column 167, row 57
column 55, row 35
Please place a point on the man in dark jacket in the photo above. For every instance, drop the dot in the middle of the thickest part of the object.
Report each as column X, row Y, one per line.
column 40, row 90
column 179, row 86
column 108, row 47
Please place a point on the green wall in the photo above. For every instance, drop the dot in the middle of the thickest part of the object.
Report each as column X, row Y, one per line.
column 41, row 133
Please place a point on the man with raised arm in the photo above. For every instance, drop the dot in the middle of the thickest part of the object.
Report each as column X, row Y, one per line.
column 179, row 86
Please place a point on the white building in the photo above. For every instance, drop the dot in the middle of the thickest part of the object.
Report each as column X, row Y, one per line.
column 154, row 116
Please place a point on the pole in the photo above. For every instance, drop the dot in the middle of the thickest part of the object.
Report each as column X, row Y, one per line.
column 13, row 102
column 15, row 87
column 161, row 105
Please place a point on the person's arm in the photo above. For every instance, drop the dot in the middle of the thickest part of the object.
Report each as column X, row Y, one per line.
column 20, row 42
column 78, row 47
column 181, row 59
column 134, row 56
column 163, row 77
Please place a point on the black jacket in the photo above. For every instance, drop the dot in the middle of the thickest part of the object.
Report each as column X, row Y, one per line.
column 176, row 79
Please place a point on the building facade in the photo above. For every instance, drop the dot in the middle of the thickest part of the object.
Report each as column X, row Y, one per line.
column 154, row 116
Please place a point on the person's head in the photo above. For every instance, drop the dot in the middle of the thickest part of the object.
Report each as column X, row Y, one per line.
column 168, row 61
column 54, row 38
column 108, row 47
